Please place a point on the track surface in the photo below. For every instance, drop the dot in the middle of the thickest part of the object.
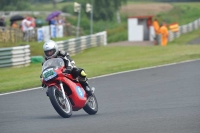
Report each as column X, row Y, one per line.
column 158, row 100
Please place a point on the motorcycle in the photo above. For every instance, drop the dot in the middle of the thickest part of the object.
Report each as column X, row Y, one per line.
column 66, row 93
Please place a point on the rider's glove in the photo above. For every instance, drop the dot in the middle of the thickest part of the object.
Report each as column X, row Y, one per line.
column 73, row 63
column 68, row 69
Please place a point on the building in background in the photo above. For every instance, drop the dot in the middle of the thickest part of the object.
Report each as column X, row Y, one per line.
column 140, row 28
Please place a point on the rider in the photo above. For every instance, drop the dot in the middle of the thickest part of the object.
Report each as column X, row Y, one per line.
column 50, row 49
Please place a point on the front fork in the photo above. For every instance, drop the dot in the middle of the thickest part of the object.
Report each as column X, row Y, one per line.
column 62, row 89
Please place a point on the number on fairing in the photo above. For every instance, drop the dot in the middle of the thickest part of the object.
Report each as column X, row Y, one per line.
column 49, row 74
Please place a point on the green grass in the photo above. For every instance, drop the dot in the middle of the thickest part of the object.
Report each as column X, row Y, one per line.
column 183, row 13
column 108, row 59
column 102, row 60
column 186, row 38
column 49, row 7
column 35, row 47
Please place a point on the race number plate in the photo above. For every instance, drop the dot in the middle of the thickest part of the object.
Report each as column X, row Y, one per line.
column 49, row 74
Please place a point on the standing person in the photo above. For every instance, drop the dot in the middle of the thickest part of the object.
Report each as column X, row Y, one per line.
column 31, row 28
column 164, row 33
column 2, row 22
column 156, row 29
column 60, row 20
column 14, row 25
column 25, row 27
column 53, row 21
column 33, row 22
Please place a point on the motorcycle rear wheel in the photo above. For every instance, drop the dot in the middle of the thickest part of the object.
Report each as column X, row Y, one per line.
column 91, row 106
column 61, row 105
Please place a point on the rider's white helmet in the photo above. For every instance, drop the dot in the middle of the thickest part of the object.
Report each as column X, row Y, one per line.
column 50, row 49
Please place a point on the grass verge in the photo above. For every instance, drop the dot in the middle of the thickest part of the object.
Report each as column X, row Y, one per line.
column 102, row 60
column 186, row 38
column 35, row 47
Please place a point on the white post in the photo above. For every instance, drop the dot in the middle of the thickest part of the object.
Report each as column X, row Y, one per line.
column 91, row 18
column 77, row 8
column 89, row 8
column 118, row 17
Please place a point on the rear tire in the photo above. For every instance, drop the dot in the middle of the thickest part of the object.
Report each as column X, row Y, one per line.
column 91, row 106
column 61, row 105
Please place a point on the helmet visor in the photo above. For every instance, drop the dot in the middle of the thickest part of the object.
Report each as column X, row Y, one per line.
column 49, row 53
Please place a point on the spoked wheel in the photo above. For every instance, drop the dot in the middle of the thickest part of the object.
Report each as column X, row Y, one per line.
column 61, row 105
column 91, row 106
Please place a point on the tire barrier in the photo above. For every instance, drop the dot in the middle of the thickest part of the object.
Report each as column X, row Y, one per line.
column 15, row 56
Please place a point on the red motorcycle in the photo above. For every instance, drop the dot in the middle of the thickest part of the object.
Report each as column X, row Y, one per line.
column 66, row 93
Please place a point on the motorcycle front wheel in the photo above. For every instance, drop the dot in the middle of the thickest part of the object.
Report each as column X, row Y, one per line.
column 91, row 106
column 61, row 105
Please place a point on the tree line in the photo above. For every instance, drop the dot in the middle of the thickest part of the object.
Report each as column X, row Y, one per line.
column 102, row 9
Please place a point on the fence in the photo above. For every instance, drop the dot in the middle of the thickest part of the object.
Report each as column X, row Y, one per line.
column 20, row 56
column 10, row 34
column 15, row 56
column 76, row 45
column 183, row 29
column 15, row 35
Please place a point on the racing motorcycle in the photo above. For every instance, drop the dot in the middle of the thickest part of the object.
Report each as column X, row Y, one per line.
column 66, row 93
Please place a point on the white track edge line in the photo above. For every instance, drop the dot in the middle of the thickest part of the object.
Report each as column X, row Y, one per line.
column 146, row 68
column 21, row 91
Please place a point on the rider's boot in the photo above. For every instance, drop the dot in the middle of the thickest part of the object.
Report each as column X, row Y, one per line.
column 84, row 83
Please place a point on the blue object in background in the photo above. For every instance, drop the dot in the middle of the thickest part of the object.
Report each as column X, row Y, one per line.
column 40, row 35
column 53, row 31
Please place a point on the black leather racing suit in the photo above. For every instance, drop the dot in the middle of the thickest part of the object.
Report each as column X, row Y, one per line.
column 75, row 71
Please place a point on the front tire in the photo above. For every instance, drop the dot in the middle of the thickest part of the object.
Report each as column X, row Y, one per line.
column 91, row 106
column 61, row 105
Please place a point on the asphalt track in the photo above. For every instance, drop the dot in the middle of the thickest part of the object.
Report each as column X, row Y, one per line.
column 158, row 100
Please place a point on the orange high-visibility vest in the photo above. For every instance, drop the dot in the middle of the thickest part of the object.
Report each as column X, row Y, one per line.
column 164, row 34
column 156, row 26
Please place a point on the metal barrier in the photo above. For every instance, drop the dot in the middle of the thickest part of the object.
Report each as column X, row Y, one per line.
column 15, row 56
column 20, row 56
column 76, row 45
column 182, row 30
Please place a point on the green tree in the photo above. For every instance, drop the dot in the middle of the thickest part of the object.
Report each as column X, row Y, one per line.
column 14, row 5
column 103, row 9
column 106, row 9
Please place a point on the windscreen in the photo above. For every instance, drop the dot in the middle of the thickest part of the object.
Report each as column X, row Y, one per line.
column 54, row 63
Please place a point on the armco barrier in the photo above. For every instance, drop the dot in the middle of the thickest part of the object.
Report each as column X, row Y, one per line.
column 76, row 45
column 20, row 56
column 182, row 30
column 15, row 56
